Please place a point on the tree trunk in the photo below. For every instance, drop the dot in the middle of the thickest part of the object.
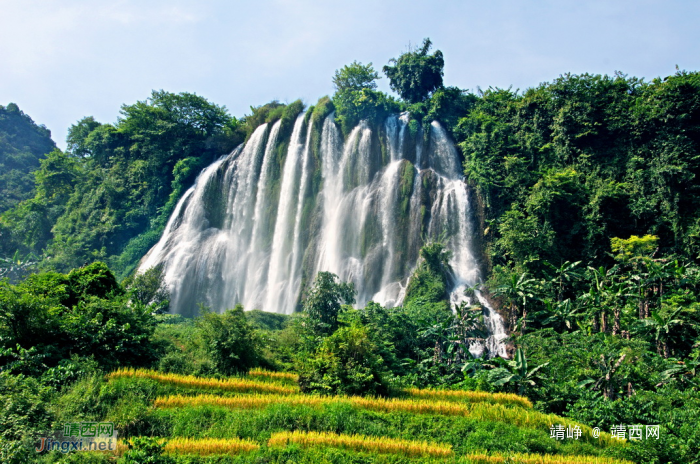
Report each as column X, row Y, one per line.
column 616, row 323
column 524, row 326
column 437, row 353
column 595, row 324
column 603, row 322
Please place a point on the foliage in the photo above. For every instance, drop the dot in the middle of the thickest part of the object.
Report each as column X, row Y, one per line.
column 355, row 77
column 149, row 289
column 24, row 415
column 516, row 373
column 230, row 340
column 415, row 74
column 564, row 167
column 431, row 280
column 146, row 450
column 83, row 313
column 347, row 362
column 28, row 224
column 267, row 321
column 323, row 300
column 353, row 106
column 356, row 99
column 633, row 247
column 22, row 146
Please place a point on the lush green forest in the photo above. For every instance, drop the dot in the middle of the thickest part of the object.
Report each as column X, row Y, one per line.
column 586, row 190
column 22, row 146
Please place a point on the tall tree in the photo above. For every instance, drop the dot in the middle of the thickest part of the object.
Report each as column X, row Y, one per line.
column 354, row 77
column 323, row 301
column 416, row 74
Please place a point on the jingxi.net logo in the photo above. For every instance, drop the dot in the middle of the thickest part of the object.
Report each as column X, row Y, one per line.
column 81, row 436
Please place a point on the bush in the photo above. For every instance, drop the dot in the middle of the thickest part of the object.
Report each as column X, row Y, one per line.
column 145, row 450
column 230, row 340
column 346, row 363
column 323, row 301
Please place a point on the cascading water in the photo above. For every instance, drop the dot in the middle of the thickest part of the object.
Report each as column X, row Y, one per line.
column 293, row 201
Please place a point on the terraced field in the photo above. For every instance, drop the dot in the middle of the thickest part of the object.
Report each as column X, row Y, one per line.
column 264, row 418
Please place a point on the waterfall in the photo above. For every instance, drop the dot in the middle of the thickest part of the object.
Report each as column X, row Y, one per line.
column 279, row 272
column 294, row 200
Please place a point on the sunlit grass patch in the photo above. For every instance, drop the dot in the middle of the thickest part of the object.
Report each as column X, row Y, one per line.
column 471, row 396
column 209, row 446
column 285, row 377
column 362, row 443
column 485, row 412
column 372, row 404
column 201, row 446
column 190, row 381
column 239, row 402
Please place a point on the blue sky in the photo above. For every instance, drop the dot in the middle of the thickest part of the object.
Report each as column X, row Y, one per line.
column 62, row 60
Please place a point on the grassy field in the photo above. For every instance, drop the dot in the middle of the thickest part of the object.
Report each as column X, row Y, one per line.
column 262, row 417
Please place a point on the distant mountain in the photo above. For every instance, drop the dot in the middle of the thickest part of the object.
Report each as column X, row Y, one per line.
column 22, row 144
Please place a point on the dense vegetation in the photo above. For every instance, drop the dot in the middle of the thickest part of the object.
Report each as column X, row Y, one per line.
column 109, row 196
column 84, row 324
column 22, row 146
column 589, row 207
column 587, row 198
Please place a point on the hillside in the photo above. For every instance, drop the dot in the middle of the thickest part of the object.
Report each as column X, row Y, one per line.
column 23, row 144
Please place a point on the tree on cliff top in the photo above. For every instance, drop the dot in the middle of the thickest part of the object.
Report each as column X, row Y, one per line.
column 415, row 74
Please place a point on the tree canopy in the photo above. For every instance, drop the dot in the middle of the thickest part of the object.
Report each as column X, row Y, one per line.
column 110, row 194
column 23, row 144
column 355, row 76
column 416, row 74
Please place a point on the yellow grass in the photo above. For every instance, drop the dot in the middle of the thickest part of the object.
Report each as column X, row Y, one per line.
column 416, row 406
column 238, row 402
column 201, row 446
column 242, row 385
column 209, row 446
column 480, row 411
column 263, row 374
column 261, row 401
column 471, row 397
column 541, row 459
column 190, row 381
column 362, row 443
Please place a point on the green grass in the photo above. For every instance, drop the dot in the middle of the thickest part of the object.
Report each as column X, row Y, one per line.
column 481, row 429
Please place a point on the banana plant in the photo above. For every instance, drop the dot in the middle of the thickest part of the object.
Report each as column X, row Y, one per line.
column 662, row 328
column 516, row 373
column 561, row 314
column 518, row 291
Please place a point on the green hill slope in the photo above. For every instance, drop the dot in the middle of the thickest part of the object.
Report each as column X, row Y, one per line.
column 22, row 144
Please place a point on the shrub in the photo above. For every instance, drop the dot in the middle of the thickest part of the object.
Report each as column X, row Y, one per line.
column 146, row 450
column 230, row 340
column 346, row 363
